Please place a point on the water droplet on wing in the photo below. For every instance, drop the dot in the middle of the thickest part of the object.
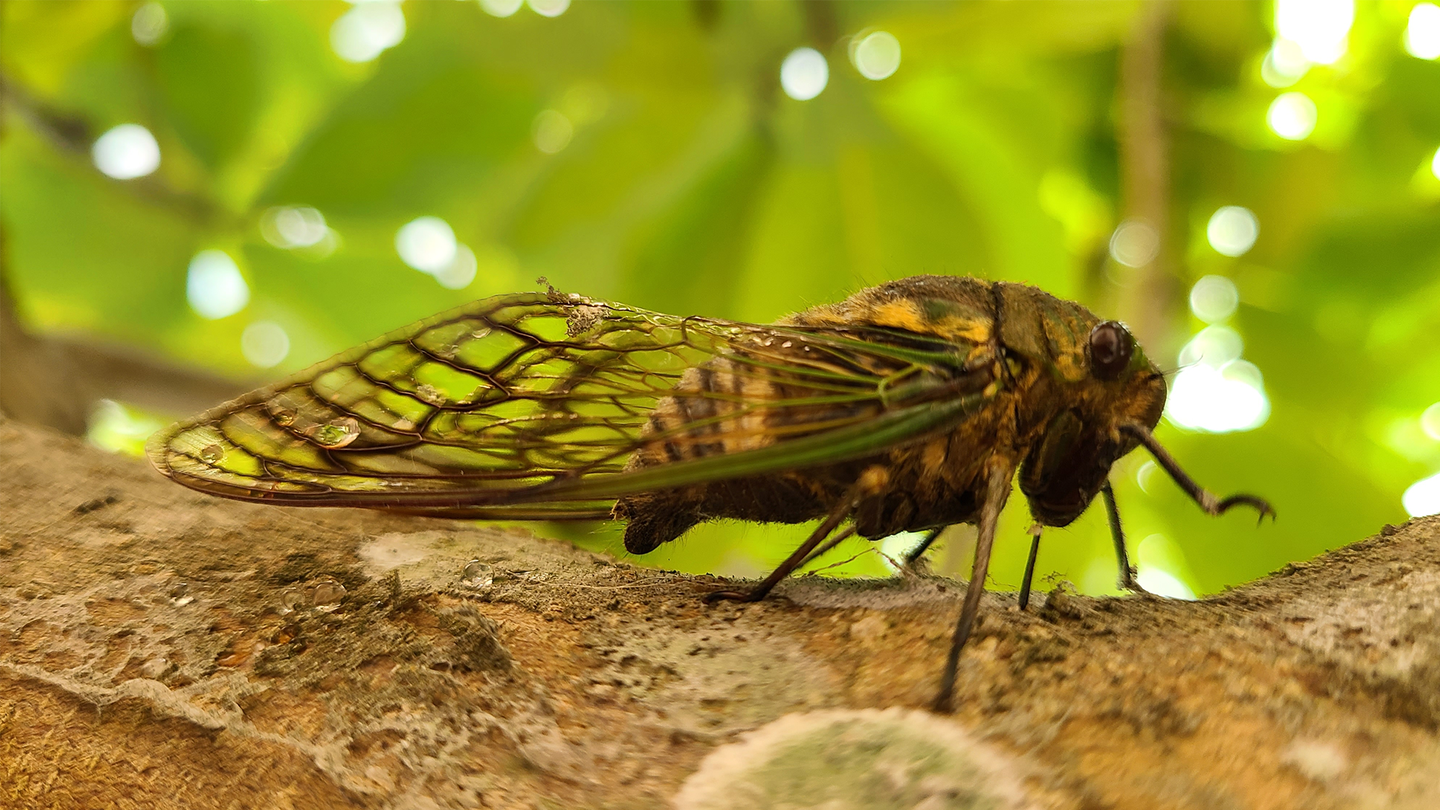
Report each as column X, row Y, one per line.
column 211, row 453
column 282, row 410
column 336, row 434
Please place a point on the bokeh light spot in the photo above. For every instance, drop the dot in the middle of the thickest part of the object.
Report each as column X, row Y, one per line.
column 1435, row 164
column 214, row 286
column 367, row 30
column 501, row 8
column 113, row 426
column 1430, row 421
column 1134, row 244
column 149, row 24
column 264, row 343
column 1218, row 400
column 804, row 73
column 1145, row 476
column 896, row 547
column 876, row 55
column 1214, row 298
column 552, row 131
column 1422, row 32
column 293, row 226
column 1163, row 583
column 1319, row 27
column 549, row 8
column 1292, row 116
column 426, row 244
column 458, row 274
column 1284, row 64
column 1423, row 497
column 1232, row 230
column 1214, row 346
column 126, row 152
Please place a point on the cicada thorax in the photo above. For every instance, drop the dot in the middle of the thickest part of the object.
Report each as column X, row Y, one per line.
column 933, row 480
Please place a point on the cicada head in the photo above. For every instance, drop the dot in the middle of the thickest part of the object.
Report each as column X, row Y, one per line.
column 1067, row 467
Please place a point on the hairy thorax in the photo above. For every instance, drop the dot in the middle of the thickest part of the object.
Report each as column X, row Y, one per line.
column 932, row 481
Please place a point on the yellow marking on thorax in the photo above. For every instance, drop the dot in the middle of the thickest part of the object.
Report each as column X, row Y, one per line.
column 901, row 314
column 956, row 328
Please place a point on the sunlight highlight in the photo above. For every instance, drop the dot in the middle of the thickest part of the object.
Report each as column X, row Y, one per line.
column 804, row 74
column 1284, row 65
column 1422, row 498
column 1430, row 421
column 214, row 286
column 549, row 8
column 149, row 24
column 501, row 8
column 1320, row 27
column 1216, row 391
column 896, row 547
column 1422, row 33
column 1213, row 299
column 1232, row 230
column 1219, row 400
column 264, row 343
column 552, row 131
column 126, row 152
column 426, row 244
column 1145, row 476
column 1163, row 583
column 876, row 55
column 1134, row 244
column 112, row 426
column 367, row 30
column 1292, row 116
column 458, row 274
column 1214, row 346
column 293, row 226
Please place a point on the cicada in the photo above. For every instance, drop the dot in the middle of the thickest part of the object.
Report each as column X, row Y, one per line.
column 909, row 406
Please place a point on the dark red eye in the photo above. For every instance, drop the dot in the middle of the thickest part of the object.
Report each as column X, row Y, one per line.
column 1110, row 350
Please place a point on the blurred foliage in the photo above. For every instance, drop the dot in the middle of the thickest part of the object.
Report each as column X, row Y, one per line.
column 693, row 184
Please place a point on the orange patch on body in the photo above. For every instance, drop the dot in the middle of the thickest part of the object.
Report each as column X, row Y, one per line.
column 901, row 314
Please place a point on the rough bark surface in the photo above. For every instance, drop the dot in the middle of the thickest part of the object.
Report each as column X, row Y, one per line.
column 162, row 649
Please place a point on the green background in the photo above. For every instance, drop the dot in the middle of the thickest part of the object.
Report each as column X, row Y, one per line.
column 694, row 185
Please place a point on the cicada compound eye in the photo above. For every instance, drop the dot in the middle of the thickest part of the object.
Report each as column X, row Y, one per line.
column 1110, row 350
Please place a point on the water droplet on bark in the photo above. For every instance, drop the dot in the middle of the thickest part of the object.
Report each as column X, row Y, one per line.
column 180, row 594
column 325, row 593
column 476, row 575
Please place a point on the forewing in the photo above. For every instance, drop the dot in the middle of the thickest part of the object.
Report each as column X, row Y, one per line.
column 531, row 405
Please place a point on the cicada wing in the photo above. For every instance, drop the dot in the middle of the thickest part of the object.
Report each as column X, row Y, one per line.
column 532, row 405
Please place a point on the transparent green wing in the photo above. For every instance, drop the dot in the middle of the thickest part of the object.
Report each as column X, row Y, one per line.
column 534, row 406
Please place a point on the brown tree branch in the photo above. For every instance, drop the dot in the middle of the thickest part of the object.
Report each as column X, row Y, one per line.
column 160, row 648
column 55, row 381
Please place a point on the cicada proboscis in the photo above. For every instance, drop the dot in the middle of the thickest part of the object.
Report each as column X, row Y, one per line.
column 908, row 406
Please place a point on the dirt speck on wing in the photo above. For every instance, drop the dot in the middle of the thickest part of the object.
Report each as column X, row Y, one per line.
column 166, row 649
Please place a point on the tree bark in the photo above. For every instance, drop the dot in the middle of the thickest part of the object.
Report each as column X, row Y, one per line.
column 159, row 648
